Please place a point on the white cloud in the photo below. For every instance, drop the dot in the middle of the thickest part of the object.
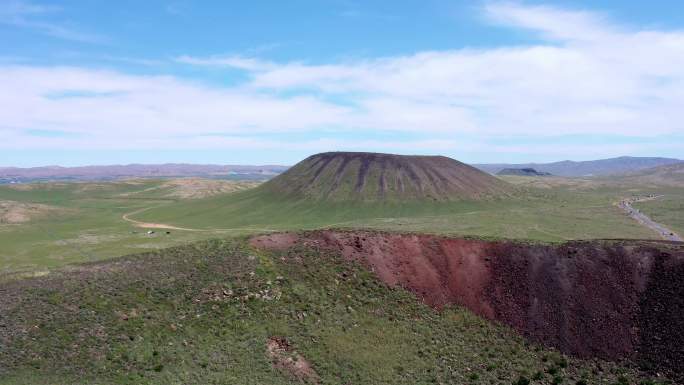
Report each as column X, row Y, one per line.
column 553, row 23
column 118, row 109
column 588, row 76
column 593, row 77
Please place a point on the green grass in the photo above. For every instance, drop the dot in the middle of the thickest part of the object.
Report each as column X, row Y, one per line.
column 190, row 314
column 552, row 215
column 92, row 227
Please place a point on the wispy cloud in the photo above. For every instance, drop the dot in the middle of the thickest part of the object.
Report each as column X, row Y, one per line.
column 553, row 23
column 588, row 75
column 176, row 8
column 235, row 61
column 36, row 17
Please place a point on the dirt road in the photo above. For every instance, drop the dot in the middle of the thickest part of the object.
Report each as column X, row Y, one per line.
column 150, row 225
column 664, row 232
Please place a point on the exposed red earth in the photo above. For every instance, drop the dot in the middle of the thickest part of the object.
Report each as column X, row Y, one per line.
column 608, row 299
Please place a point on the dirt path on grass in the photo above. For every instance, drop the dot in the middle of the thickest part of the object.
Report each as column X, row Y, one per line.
column 664, row 232
column 151, row 225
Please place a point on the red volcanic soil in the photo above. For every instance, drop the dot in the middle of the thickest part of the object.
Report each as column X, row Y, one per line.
column 610, row 299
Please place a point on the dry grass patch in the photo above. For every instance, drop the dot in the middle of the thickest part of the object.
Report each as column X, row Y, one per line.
column 12, row 212
column 196, row 188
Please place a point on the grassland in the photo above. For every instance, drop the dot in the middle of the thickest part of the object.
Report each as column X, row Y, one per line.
column 551, row 214
column 88, row 223
column 204, row 313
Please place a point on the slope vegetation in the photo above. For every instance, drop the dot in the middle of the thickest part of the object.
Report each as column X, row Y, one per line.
column 340, row 176
column 613, row 300
column 221, row 312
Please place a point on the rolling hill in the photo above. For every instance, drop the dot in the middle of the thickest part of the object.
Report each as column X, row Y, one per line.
column 342, row 176
column 599, row 167
column 338, row 187
column 668, row 175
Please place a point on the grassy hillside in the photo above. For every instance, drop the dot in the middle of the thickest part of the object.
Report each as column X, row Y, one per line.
column 84, row 223
column 552, row 214
column 669, row 175
column 207, row 314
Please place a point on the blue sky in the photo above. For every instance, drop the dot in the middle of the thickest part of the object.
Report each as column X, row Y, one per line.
column 101, row 82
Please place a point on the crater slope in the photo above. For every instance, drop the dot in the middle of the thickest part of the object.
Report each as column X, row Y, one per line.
column 607, row 299
column 340, row 176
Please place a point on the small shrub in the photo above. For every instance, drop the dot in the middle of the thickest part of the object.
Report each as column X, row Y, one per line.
column 581, row 382
column 557, row 380
column 538, row 376
column 522, row 380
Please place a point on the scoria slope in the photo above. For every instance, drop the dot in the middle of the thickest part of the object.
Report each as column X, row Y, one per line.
column 613, row 300
column 340, row 176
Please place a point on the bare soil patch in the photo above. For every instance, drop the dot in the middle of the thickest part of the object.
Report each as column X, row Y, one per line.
column 12, row 212
column 289, row 362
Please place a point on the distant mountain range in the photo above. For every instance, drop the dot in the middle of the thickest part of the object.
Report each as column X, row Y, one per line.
column 17, row 174
column 602, row 167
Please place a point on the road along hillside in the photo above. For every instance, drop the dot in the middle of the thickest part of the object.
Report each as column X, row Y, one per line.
column 626, row 204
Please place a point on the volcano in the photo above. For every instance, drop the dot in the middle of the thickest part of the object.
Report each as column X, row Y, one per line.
column 343, row 176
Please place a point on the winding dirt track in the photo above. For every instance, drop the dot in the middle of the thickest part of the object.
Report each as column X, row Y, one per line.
column 151, row 225
column 664, row 232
